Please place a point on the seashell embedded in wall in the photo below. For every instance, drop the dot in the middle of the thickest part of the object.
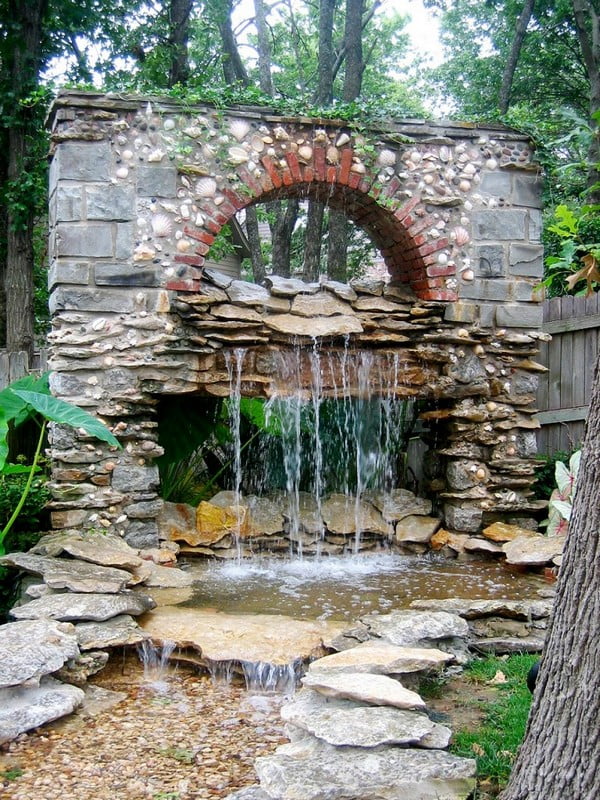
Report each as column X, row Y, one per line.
column 333, row 155
column 342, row 139
column 387, row 158
column 305, row 154
column 206, row 187
column 239, row 128
column 460, row 235
column 237, row 155
column 161, row 225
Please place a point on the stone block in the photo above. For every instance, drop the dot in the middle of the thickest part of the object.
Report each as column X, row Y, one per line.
column 500, row 290
column 487, row 315
column 535, row 225
column 135, row 479
column 90, row 240
column 73, row 518
column 142, row 535
column 461, row 312
column 120, row 302
column 81, row 161
column 68, row 203
column 463, row 518
column 511, row 315
column 124, row 240
column 125, row 275
column 496, row 183
column 109, row 203
column 156, row 181
column 491, row 260
column 526, row 260
column 63, row 384
column 460, row 476
column 74, row 272
column 527, row 190
column 500, row 224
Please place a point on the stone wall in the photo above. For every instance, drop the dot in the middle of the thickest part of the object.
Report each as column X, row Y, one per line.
column 139, row 188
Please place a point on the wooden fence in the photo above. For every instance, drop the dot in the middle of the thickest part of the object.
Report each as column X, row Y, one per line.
column 564, row 391
column 16, row 365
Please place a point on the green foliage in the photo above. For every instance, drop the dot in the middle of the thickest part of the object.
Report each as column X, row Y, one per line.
column 561, row 499
column 545, row 474
column 494, row 744
column 573, row 251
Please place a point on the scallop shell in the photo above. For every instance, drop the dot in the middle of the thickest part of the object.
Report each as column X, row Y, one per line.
column 359, row 168
column 206, row 187
column 387, row 158
column 461, row 235
column 464, row 186
column 161, row 225
column 445, row 153
column 239, row 128
column 333, row 155
column 237, row 155
column 305, row 154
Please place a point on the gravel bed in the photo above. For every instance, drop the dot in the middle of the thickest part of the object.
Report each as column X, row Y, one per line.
column 176, row 738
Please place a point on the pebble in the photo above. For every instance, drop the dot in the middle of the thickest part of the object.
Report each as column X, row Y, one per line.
column 186, row 739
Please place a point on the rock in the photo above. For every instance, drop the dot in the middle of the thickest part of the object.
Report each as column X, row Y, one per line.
column 77, row 670
column 249, row 793
column 533, row 551
column 378, row 690
column 313, row 327
column 213, row 523
column 323, row 304
column 264, row 517
column 309, row 517
column 105, row 549
column 344, row 723
column 416, row 628
column 23, row 708
column 311, row 770
column 260, row 638
column 380, row 658
column 416, row 529
column 341, row 290
column 31, row 649
column 443, row 538
column 473, row 609
column 289, row 287
column 501, row 532
column 63, row 573
column 71, row 606
column 167, row 577
column 476, row 545
column 98, row 700
column 342, row 515
column 177, row 521
column 398, row 503
column 502, row 645
column 116, row 632
column 368, row 286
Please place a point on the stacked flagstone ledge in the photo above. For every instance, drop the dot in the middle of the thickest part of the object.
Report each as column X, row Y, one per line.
column 140, row 187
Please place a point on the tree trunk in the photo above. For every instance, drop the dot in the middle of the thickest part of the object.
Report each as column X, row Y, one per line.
column 234, row 70
column 559, row 756
column 23, row 68
column 264, row 48
column 513, row 56
column 324, row 95
column 179, row 27
column 337, row 262
column 282, row 237
column 312, row 241
column 256, row 257
column 587, row 23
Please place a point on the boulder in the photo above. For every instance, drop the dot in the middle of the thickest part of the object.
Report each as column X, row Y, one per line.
column 167, row 577
column 475, row 544
column 177, row 521
column 533, row 551
column 342, row 515
column 503, row 532
column 116, row 632
column 65, row 573
column 289, row 287
column 408, row 628
column 23, row 708
column 345, row 723
column 214, row 523
column 72, row 606
column 414, row 528
column 264, row 518
column 398, row 503
column 381, row 658
column 377, row 690
column 312, row 770
column 77, row 670
column 323, row 304
column 33, row 648
column 473, row 609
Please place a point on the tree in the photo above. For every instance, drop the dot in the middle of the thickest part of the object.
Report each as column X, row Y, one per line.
column 587, row 24
column 559, row 756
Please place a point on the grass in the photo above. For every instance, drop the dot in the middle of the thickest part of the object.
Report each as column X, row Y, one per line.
column 495, row 743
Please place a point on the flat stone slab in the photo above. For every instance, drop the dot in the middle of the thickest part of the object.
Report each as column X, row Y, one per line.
column 24, row 708
column 378, row 690
column 474, row 609
column 533, row 551
column 92, row 606
column 501, row 645
column 408, row 628
column 167, row 577
column 260, row 638
column 105, row 549
column 116, row 632
column 398, row 503
column 293, row 325
column 381, row 658
column 312, row 770
column 414, row 528
column 33, row 648
column 345, row 723
column 64, row 573
column 503, row 532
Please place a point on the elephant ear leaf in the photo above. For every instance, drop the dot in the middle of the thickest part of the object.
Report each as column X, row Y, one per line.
column 59, row 411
